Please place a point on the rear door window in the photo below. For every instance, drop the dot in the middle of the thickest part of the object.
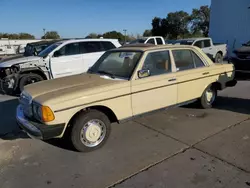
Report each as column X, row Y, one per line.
column 90, row 47
column 151, row 41
column 159, row 41
column 207, row 43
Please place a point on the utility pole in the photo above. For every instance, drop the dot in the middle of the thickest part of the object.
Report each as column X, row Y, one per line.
column 125, row 37
column 44, row 31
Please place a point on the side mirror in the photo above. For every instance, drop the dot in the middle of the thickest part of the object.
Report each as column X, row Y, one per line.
column 57, row 54
column 143, row 73
column 35, row 53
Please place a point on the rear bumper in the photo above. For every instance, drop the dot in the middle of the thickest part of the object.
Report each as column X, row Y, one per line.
column 231, row 83
column 37, row 130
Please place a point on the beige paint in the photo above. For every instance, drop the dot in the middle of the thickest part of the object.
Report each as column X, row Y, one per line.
column 68, row 95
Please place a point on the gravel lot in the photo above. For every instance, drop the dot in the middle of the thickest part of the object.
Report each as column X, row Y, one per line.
column 182, row 147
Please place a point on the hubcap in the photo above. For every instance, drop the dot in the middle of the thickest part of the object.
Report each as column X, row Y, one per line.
column 93, row 133
column 210, row 96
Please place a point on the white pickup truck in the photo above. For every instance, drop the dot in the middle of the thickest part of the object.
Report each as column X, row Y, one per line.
column 217, row 52
column 63, row 58
column 156, row 40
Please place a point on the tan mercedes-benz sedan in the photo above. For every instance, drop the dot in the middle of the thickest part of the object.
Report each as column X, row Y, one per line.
column 124, row 83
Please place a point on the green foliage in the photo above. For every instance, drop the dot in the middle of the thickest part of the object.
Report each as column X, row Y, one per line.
column 147, row 33
column 17, row 36
column 113, row 35
column 180, row 24
column 92, row 36
column 200, row 20
column 51, row 35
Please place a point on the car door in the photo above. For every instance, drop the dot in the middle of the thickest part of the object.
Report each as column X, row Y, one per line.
column 192, row 74
column 158, row 90
column 92, row 51
column 207, row 47
column 67, row 61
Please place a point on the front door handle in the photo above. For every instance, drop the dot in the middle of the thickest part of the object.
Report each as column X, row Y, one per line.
column 205, row 73
column 172, row 79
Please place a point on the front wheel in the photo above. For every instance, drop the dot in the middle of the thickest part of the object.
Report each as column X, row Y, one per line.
column 218, row 58
column 208, row 97
column 90, row 131
column 27, row 79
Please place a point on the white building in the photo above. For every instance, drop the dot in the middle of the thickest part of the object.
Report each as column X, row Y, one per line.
column 230, row 22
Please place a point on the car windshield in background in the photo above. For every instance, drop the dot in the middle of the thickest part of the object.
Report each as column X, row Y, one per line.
column 248, row 43
column 137, row 41
column 49, row 49
column 116, row 64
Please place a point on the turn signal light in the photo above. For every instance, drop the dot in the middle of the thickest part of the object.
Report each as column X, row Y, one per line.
column 47, row 114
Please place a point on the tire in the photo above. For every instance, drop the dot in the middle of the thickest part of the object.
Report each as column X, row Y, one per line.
column 27, row 79
column 218, row 58
column 209, row 93
column 92, row 136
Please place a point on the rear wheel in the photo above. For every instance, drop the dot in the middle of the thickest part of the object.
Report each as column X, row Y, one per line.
column 218, row 58
column 90, row 131
column 208, row 97
column 27, row 79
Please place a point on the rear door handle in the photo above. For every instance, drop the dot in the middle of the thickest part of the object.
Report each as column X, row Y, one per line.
column 205, row 73
column 172, row 79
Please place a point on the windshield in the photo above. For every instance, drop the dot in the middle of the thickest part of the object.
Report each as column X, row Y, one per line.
column 49, row 49
column 138, row 41
column 116, row 64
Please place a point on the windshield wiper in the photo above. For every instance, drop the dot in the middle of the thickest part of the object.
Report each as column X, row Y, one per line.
column 107, row 73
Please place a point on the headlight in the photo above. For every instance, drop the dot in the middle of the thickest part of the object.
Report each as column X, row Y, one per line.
column 43, row 113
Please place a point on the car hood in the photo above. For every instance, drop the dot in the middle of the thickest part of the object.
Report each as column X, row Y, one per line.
column 243, row 49
column 71, row 88
column 15, row 61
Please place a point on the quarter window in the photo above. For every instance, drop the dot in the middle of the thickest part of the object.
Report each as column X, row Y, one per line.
column 186, row 59
column 158, row 63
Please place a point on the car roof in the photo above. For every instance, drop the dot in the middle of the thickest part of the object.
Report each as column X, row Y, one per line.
column 88, row 40
column 45, row 42
column 149, row 47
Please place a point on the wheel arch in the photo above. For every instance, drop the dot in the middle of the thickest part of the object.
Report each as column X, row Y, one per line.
column 104, row 109
column 34, row 71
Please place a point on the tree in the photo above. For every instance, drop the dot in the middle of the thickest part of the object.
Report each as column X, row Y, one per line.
column 113, row 35
column 17, row 36
column 51, row 35
column 156, row 26
column 92, row 36
column 177, row 24
column 26, row 36
column 200, row 19
column 147, row 33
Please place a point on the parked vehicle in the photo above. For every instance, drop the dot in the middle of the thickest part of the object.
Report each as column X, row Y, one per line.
column 34, row 48
column 156, row 40
column 63, row 58
column 216, row 51
column 241, row 58
column 122, row 84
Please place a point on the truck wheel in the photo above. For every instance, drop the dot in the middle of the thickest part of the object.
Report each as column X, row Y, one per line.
column 27, row 79
column 208, row 97
column 218, row 58
column 90, row 131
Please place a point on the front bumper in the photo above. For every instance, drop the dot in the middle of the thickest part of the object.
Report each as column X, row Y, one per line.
column 241, row 65
column 37, row 130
